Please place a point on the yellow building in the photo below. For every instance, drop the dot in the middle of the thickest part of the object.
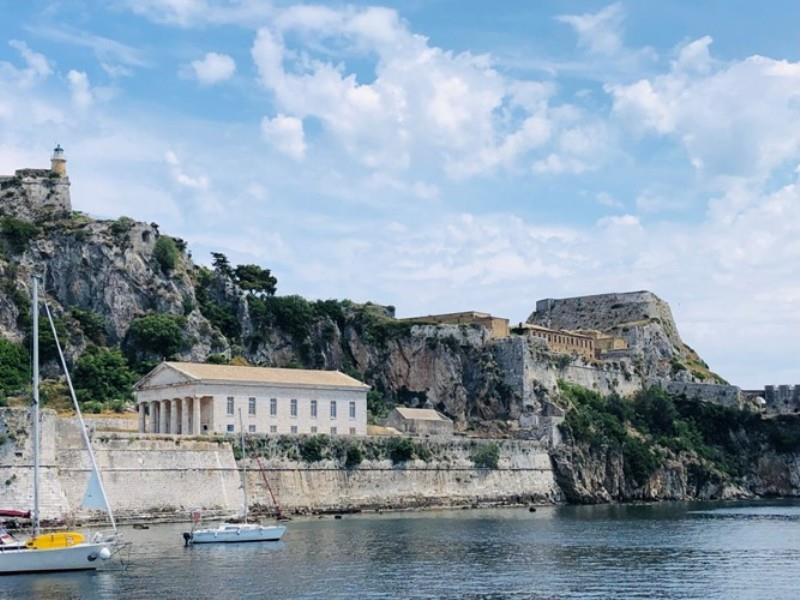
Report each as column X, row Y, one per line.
column 563, row 342
column 604, row 342
column 497, row 326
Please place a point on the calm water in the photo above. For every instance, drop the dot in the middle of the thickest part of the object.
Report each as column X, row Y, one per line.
column 666, row 551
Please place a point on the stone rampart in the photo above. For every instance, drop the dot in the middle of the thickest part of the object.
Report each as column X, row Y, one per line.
column 722, row 394
column 447, row 478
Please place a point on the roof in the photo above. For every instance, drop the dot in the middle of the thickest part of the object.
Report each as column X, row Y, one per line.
column 270, row 375
column 420, row 414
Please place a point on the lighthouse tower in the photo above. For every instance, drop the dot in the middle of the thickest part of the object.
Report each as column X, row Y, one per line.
column 58, row 164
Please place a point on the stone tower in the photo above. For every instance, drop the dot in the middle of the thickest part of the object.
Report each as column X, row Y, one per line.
column 58, row 164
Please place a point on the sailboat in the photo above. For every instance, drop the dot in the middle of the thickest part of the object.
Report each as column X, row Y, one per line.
column 236, row 532
column 60, row 550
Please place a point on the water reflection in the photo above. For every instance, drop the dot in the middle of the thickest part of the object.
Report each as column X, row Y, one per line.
column 655, row 551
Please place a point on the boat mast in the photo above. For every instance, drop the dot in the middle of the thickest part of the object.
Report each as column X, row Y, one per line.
column 86, row 440
column 35, row 385
column 244, row 466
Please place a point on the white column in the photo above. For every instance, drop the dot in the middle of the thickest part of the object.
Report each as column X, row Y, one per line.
column 185, row 416
column 153, row 428
column 196, row 415
column 141, row 407
column 162, row 416
column 173, row 416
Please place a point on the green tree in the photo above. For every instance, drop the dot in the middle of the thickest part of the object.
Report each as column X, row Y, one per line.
column 166, row 253
column 17, row 233
column 221, row 264
column 255, row 279
column 155, row 335
column 103, row 375
column 14, row 366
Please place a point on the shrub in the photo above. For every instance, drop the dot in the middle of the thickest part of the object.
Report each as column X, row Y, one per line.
column 292, row 314
column 92, row 407
column 18, row 233
column 92, row 324
column 166, row 253
column 14, row 366
column 400, row 449
column 377, row 405
column 222, row 316
column 121, row 226
column 103, row 375
column 312, row 448
column 353, row 457
column 156, row 334
column 486, row 456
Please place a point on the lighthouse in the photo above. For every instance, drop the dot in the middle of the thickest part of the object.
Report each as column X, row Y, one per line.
column 58, row 164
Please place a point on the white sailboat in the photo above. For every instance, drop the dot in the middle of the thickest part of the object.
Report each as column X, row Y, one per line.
column 60, row 550
column 237, row 532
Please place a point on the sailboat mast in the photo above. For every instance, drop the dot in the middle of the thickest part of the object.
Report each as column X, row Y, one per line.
column 35, row 385
column 244, row 465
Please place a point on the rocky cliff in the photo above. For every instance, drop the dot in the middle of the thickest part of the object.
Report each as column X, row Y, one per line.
column 125, row 284
column 642, row 319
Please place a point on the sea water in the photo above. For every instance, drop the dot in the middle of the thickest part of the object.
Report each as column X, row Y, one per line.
column 718, row 550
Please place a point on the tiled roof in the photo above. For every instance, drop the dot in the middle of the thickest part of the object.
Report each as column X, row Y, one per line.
column 210, row 372
column 420, row 414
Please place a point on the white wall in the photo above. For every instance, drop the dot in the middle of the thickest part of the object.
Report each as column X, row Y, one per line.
column 283, row 422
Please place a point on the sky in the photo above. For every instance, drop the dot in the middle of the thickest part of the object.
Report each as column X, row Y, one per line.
column 442, row 155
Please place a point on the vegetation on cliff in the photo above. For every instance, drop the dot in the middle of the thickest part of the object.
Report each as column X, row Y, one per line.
column 653, row 431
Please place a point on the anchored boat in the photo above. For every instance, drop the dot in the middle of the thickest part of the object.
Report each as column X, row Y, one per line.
column 61, row 550
column 235, row 532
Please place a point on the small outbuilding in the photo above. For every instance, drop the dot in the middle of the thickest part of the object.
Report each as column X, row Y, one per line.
column 419, row 421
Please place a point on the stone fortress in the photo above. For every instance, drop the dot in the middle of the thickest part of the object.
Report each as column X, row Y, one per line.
column 32, row 193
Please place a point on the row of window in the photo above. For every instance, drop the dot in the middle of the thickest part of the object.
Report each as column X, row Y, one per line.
column 293, row 429
column 273, row 407
column 565, row 339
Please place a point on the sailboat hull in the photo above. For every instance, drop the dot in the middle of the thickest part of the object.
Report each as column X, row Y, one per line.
column 226, row 534
column 81, row 557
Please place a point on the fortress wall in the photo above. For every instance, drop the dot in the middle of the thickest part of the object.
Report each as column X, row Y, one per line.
column 524, row 474
column 722, row 394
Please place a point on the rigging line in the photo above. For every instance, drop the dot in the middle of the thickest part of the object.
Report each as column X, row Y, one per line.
column 80, row 418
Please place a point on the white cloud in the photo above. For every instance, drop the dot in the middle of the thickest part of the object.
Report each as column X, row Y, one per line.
column 80, row 89
column 711, row 109
column 213, row 68
column 179, row 175
column 598, row 32
column 423, row 104
column 606, row 199
column 286, row 134
column 108, row 51
column 37, row 67
column 191, row 13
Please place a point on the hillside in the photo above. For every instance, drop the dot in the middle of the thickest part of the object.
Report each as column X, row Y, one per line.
column 127, row 295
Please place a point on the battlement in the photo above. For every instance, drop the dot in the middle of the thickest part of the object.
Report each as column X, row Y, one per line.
column 30, row 194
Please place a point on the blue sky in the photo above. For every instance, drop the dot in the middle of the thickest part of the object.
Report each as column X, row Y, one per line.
column 443, row 155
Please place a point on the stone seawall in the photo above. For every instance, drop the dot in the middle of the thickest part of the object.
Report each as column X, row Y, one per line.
column 161, row 476
column 447, row 478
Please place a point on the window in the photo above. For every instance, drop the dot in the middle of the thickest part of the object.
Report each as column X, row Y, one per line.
column 251, row 406
column 293, row 407
column 313, row 409
column 352, row 410
column 333, row 409
column 230, row 428
column 273, row 407
column 273, row 429
column 230, row 406
column 333, row 430
column 352, row 431
column 294, row 429
column 251, row 428
column 313, row 429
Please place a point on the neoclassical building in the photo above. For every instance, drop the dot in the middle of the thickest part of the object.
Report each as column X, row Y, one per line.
column 196, row 399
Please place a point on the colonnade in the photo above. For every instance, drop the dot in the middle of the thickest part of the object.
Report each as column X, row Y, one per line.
column 175, row 416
